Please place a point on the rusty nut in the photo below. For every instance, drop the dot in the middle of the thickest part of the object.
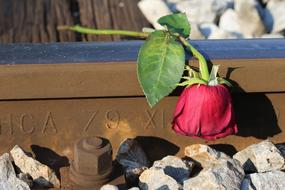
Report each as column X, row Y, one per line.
column 92, row 161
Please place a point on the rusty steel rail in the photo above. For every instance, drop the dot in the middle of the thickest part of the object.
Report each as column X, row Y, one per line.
column 115, row 64
column 54, row 94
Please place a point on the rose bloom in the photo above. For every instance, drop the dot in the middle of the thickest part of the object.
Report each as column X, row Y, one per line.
column 205, row 111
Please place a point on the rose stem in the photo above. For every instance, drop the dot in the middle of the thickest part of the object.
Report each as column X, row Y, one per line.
column 104, row 32
column 203, row 67
column 202, row 61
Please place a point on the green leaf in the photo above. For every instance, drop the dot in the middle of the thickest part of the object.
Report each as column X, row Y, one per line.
column 177, row 23
column 160, row 65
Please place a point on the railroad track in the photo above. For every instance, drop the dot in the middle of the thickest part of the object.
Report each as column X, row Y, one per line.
column 53, row 94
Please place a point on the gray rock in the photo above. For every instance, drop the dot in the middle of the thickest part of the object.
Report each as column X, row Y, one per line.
column 222, row 5
column 207, row 29
column 109, row 187
column 132, row 175
column 153, row 10
column 203, row 11
column 246, row 184
column 174, row 167
column 173, row 1
column 205, row 155
column 274, row 17
column 133, row 159
column 41, row 174
column 131, row 154
column 274, row 180
column 265, row 1
column 249, row 14
column 226, row 175
column 154, row 179
column 261, row 157
column 281, row 148
column 8, row 179
column 172, row 4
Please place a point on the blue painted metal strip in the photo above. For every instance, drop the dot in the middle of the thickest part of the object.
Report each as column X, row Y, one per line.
column 79, row 52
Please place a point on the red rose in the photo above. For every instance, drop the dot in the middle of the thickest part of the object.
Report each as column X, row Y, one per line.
column 205, row 111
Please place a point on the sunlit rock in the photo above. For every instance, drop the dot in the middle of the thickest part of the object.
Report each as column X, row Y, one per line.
column 261, row 157
column 8, row 179
column 41, row 174
column 274, row 180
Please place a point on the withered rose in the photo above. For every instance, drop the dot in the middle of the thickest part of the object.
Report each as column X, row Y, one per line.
column 205, row 111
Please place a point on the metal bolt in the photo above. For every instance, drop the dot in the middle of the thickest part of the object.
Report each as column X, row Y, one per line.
column 92, row 164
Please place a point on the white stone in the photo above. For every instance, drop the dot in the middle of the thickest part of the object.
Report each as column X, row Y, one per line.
column 249, row 18
column 229, row 22
column 174, row 167
column 8, row 179
column 173, row 1
column 212, row 31
column 134, row 188
column 196, row 33
column 153, row 10
column 109, row 187
column 197, row 13
column 221, row 34
column 274, row 17
column 205, row 155
column 272, row 36
column 226, row 175
column 41, row 174
column 274, row 180
column 244, row 21
column 153, row 178
column 203, row 11
column 261, row 157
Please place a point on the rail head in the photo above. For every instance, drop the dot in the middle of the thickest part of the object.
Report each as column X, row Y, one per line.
column 127, row 51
